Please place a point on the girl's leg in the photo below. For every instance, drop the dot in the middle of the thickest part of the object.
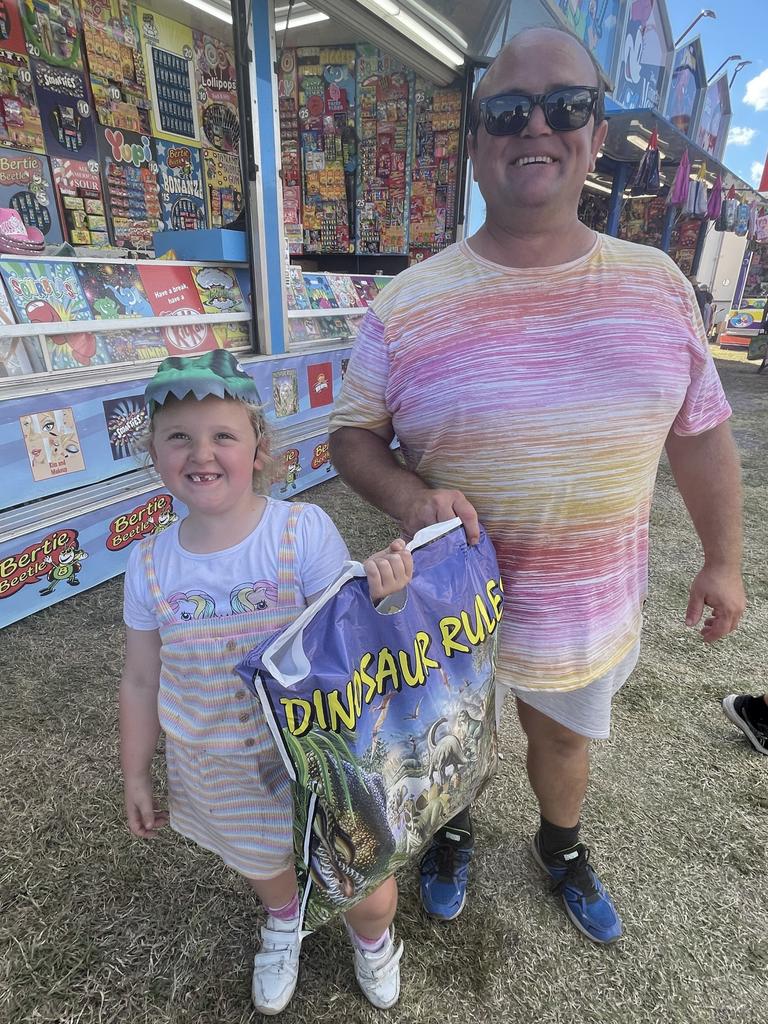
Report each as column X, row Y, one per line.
column 371, row 918
column 377, row 958
column 276, row 893
column 276, row 965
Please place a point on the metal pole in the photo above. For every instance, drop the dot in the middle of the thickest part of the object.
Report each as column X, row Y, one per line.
column 620, row 177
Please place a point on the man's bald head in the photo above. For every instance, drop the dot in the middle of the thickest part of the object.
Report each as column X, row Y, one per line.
column 488, row 85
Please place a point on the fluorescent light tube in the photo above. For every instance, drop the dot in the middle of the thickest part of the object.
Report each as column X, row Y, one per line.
column 215, row 12
column 303, row 19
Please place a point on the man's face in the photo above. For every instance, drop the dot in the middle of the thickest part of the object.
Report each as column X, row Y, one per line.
column 509, row 182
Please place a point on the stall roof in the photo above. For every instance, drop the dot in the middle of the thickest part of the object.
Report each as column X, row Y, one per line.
column 623, row 124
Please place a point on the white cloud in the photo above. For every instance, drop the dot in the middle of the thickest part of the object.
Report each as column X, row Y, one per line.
column 756, row 94
column 741, row 136
column 756, row 173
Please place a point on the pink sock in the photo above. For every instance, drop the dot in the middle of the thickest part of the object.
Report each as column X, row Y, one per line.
column 371, row 945
column 288, row 912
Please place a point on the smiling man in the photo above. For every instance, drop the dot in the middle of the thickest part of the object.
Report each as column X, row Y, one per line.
column 533, row 373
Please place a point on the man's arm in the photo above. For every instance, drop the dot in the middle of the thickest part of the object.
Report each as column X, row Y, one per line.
column 707, row 472
column 365, row 461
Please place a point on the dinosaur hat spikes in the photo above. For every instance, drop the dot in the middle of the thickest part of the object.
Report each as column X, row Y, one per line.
column 215, row 373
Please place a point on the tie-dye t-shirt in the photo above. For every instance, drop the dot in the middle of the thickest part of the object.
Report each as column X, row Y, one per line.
column 545, row 395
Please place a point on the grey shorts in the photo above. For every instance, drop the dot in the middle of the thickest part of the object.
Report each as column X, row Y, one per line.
column 586, row 711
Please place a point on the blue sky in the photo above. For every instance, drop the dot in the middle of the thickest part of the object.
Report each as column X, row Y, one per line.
column 741, row 27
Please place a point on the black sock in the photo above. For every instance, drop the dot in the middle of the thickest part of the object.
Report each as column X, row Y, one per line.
column 757, row 709
column 460, row 823
column 553, row 838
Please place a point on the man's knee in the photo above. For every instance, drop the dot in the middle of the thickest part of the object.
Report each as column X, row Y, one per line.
column 544, row 732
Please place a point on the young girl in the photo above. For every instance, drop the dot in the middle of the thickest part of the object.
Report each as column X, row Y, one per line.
column 198, row 596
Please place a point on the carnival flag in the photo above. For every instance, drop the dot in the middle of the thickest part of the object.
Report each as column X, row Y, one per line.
column 764, row 180
column 678, row 194
column 384, row 716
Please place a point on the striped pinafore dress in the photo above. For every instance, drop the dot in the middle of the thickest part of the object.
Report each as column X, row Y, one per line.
column 227, row 786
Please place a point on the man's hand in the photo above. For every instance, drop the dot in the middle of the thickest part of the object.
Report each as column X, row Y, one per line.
column 144, row 819
column 722, row 590
column 440, row 505
column 389, row 571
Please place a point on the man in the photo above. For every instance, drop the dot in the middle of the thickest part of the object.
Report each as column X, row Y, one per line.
column 533, row 373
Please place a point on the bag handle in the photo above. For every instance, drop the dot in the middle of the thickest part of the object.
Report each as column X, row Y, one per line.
column 285, row 658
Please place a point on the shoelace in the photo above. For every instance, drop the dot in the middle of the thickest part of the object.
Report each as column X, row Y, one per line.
column 443, row 860
column 578, row 874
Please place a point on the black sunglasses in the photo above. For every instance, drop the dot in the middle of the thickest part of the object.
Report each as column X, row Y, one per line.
column 565, row 110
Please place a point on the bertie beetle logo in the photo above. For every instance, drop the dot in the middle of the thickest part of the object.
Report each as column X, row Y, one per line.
column 57, row 557
column 153, row 516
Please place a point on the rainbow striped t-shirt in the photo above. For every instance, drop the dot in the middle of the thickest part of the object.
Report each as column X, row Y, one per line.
column 545, row 395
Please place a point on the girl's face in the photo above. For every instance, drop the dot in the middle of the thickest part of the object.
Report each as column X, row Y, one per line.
column 206, row 453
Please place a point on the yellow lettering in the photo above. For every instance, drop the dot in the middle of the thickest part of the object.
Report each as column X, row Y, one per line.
column 386, row 669
column 337, row 712
column 291, row 705
column 412, row 677
column 449, row 627
column 496, row 599
column 476, row 635
column 368, row 681
column 317, row 700
column 423, row 643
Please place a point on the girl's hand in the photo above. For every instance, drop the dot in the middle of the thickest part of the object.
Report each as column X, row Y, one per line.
column 144, row 819
column 389, row 571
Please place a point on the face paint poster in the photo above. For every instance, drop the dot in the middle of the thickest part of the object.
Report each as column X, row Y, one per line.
column 52, row 443
column 20, row 126
column 66, row 114
column 182, row 199
column 169, row 58
column 223, row 187
column 44, row 293
column 129, row 169
column 26, row 187
column 171, row 290
column 78, row 185
column 216, row 93
column 218, row 290
column 113, row 290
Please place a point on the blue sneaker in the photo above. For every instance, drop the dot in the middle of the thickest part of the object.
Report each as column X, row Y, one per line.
column 584, row 896
column 444, row 872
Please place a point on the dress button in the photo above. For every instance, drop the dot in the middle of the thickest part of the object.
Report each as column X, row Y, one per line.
column 240, row 695
column 250, row 741
column 244, row 717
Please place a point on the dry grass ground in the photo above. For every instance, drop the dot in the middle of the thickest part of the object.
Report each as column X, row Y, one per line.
column 98, row 927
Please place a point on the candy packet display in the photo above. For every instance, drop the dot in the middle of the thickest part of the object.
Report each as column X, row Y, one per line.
column 384, row 717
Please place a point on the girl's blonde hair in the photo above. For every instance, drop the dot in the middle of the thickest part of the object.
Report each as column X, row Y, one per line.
column 262, row 478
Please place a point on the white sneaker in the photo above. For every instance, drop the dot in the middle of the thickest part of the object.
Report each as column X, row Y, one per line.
column 378, row 974
column 276, row 965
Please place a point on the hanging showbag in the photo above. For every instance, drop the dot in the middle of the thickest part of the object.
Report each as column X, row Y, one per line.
column 742, row 219
column 646, row 177
column 715, row 199
column 385, row 718
column 681, row 186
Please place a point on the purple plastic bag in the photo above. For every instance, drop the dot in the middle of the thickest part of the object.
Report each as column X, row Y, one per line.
column 385, row 719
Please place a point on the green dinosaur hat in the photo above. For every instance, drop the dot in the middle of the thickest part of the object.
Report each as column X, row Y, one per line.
column 215, row 373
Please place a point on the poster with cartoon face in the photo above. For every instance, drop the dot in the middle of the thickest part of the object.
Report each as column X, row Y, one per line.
column 26, row 187
column 113, row 290
column 182, row 199
column 66, row 111
column 320, row 384
column 52, row 443
column 686, row 77
column 44, row 292
column 126, row 419
column 218, row 290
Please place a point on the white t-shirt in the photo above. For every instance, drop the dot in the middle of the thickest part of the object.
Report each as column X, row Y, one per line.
column 238, row 579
